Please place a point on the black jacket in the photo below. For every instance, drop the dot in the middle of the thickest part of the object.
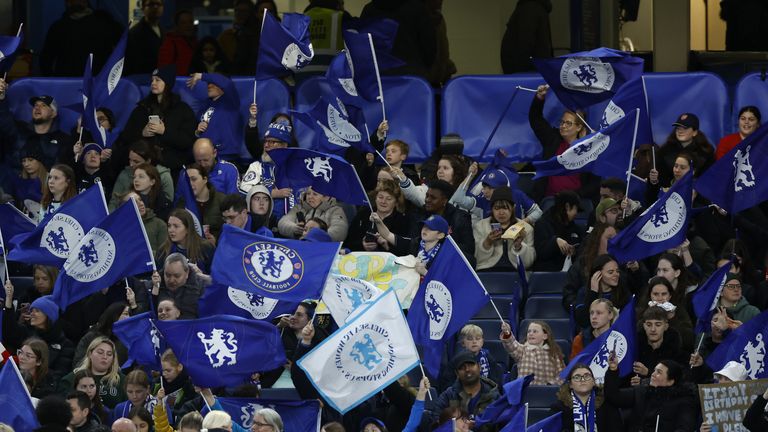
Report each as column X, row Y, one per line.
column 60, row 349
column 548, row 229
column 142, row 49
column 607, row 415
column 756, row 418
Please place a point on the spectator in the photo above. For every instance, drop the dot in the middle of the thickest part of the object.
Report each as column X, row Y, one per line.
column 222, row 175
column 178, row 284
column 123, row 425
column 183, row 238
column 189, row 422
column 44, row 324
column 469, row 390
column 91, row 169
column 85, row 382
column 180, row 43
column 656, row 342
column 396, row 152
column 240, row 43
column 539, row 355
column 208, row 201
column 80, row 31
column 163, row 119
column 749, row 121
column 389, row 206
column 103, row 328
column 424, row 247
column 450, row 169
column 141, row 418
column 267, row 417
column 220, row 121
column 177, row 385
column 101, row 361
column 659, row 293
column 167, row 310
column 140, row 152
column 501, row 239
column 155, row 227
column 471, row 339
column 34, row 175
column 602, row 315
column 147, row 184
column 61, row 188
column 145, row 39
column 33, row 360
column 528, row 35
column 672, row 268
column 209, row 57
column 260, row 206
column 581, row 389
column 54, row 414
column 605, row 282
column 314, row 204
column 608, row 211
column 137, row 389
column 42, row 284
column 737, row 307
column 686, row 136
column 756, row 417
column 81, row 409
column 557, row 235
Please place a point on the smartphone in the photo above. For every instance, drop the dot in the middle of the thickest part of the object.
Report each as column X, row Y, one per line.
column 495, row 226
column 154, row 119
column 300, row 217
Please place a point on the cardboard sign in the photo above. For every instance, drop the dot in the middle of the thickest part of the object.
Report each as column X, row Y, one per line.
column 723, row 405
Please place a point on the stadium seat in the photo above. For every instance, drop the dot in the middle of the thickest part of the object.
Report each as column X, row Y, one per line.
column 560, row 327
column 23, row 283
column 543, row 308
column 491, row 328
column 538, row 414
column 487, row 311
column 546, row 283
column 540, row 396
column 752, row 89
column 496, row 348
column 500, row 282
column 565, row 347
column 525, row 182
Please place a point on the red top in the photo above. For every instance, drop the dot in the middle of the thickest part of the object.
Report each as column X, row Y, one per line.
column 556, row 184
column 726, row 144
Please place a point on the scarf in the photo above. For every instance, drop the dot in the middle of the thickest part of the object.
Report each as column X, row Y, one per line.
column 584, row 416
column 426, row 256
column 485, row 365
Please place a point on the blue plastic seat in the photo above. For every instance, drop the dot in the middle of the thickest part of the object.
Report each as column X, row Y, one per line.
column 544, row 308
column 546, row 283
column 561, row 328
column 500, row 282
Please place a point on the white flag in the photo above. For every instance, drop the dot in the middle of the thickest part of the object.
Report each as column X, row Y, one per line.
column 368, row 353
column 344, row 294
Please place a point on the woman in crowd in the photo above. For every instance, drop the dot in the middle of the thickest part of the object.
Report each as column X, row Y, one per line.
column 183, row 238
column 209, row 58
column 103, row 328
column 267, row 419
column 749, row 122
column 142, row 419
column 557, row 235
column 492, row 251
column 602, row 315
column 139, row 396
column 450, row 168
column 260, row 205
column 156, row 228
column 100, row 360
column 86, row 382
column 659, row 293
column 29, row 184
column 682, row 163
column 583, row 403
column 686, row 137
column 42, row 284
column 177, row 383
column 539, row 355
column 390, row 208
column 208, row 201
column 33, row 360
column 140, row 152
column 61, row 188
column 673, row 268
column 314, row 204
column 167, row 310
column 147, row 183
column 164, row 120
column 604, row 282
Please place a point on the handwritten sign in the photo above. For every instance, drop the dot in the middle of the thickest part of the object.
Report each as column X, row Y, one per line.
column 723, row 405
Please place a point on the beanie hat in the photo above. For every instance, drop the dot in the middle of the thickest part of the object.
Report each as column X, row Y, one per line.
column 166, row 73
column 279, row 131
column 45, row 305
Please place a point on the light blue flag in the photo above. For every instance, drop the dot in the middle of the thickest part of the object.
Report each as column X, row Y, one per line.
column 605, row 153
column 662, row 226
column 225, row 300
column 144, row 342
column 223, row 350
column 631, row 96
column 585, row 78
column 706, row 297
column 184, row 194
column 620, row 338
column 336, row 127
column 451, row 294
column 739, row 180
column 327, row 174
column 17, row 410
column 746, row 345
column 503, row 409
column 281, row 269
column 55, row 238
column 297, row 416
column 93, row 263
column 284, row 47
column 553, row 423
column 12, row 223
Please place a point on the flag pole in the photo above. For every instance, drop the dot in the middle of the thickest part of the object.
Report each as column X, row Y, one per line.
column 378, row 76
column 18, row 32
column 368, row 134
column 498, row 122
column 631, row 158
column 424, row 374
column 5, row 256
column 254, row 91
column 698, row 347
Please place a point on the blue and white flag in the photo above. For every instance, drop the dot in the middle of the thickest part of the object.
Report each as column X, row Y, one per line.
column 13, row 223
column 327, row 174
column 226, row 300
column 383, row 33
column 336, row 127
column 223, row 350
column 706, row 297
column 9, row 46
column 184, row 192
column 502, row 163
column 90, row 122
column 746, row 345
column 284, row 47
column 519, row 420
column 662, row 226
column 297, row 416
column 105, row 83
column 280, row 269
column 341, row 80
column 553, row 423
column 93, row 264
column 503, row 409
column 362, row 60
column 52, row 241
column 632, row 96
column 605, row 153
column 342, row 295
column 17, row 409
column 451, row 294
column 620, row 338
column 144, row 342
column 585, row 78
column 735, row 181
column 368, row 353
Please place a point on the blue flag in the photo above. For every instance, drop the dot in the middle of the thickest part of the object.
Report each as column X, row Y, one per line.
column 735, row 181
column 13, row 223
column 327, row 174
column 706, row 296
column 745, row 345
column 662, row 226
column 225, row 300
column 52, row 241
column 447, row 426
column 93, row 264
column 630, row 97
column 109, row 76
column 184, row 192
column 341, row 80
column 223, row 350
column 637, row 188
column 284, row 47
column 451, row 294
column 144, row 342
column 620, row 338
column 553, row 423
column 363, row 64
column 336, row 127
column 605, row 153
column 298, row 416
column 518, row 421
column 585, row 78
column 9, row 47
column 383, row 33
column 90, row 122
column 17, row 409
column 502, row 163
column 290, row 270
column 503, row 409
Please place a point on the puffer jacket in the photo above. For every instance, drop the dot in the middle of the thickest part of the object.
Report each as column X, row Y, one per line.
column 329, row 211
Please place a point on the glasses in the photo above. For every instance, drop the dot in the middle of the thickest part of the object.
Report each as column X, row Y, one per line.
column 25, row 355
column 566, row 123
column 581, row 378
column 733, row 286
column 260, row 424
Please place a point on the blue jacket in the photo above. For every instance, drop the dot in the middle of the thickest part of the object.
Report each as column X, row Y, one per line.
column 225, row 125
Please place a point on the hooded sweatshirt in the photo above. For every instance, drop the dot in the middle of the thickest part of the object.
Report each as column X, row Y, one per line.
column 261, row 224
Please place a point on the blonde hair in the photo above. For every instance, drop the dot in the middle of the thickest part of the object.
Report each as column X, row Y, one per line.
column 609, row 305
column 169, row 357
column 470, row 330
column 217, row 420
column 113, row 374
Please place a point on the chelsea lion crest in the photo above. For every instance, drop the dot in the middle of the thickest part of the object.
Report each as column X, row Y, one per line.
column 365, row 353
column 439, row 306
column 272, row 266
column 61, row 234
column 599, row 364
column 92, row 257
column 666, row 222
column 587, row 74
column 259, row 307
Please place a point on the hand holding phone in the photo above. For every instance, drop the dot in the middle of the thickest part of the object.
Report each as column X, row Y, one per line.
column 154, row 119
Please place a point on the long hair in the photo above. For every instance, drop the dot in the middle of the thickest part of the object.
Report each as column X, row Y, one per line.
column 146, row 150
column 683, row 281
column 113, row 374
column 592, row 247
column 153, row 174
column 40, row 348
column 193, row 242
column 68, row 194
column 564, row 392
column 98, row 406
column 555, row 353
column 51, row 272
column 460, row 169
column 619, row 294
